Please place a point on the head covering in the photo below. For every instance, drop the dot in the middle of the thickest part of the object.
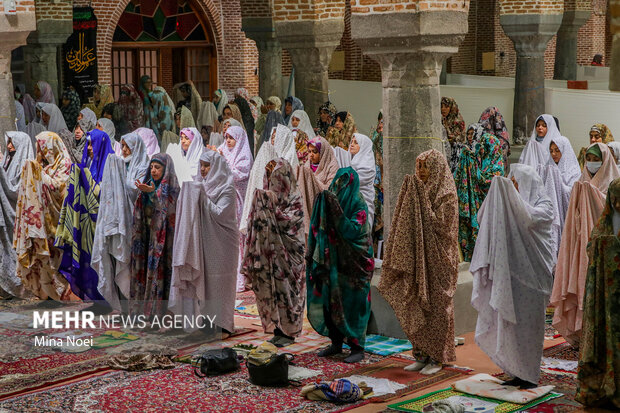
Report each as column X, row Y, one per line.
column 241, row 151
column 615, row 147
column 284, row 145
column 607, row 172
column 568, row 164
column 90, row 116
column 160, row 115
column 193, row 102
column 131, row 108
column 604, row 131
column 453, row 123
column 76, row 147
column 222, row 102
column 595, row 150
column 23, row 152
column 71, row 111
column 296, row 104
column 102, row 147
column 274, row 118
column 537, row 153
column 20, row 117
column 342, row 137
column 324, row 126
column 105, row 98
column 257, row 101
column 493, row 122
column 187, row 163
column 47, row 93
column 108, row 127
column 364, row 164
column 140, row 160
column 304, row 123
column 421, row 294
column 144, row 93
column 150, row 140
column 236, row 113
column 208, row 115
column 531, row 187
column 276, row 102
column 219, row 178
column 244, row 94
column 57, row 122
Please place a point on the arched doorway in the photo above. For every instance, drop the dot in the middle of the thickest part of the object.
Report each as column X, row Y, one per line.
column 168, row 40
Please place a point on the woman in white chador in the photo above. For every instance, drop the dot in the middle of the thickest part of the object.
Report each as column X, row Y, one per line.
column 536, row 151
column 511, row 265
column 186, row 154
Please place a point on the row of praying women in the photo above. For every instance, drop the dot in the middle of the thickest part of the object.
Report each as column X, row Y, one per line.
column 541, row 236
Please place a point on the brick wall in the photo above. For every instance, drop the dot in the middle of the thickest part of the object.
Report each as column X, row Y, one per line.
column 256, row 8
column 593, row 34
column 21, row 6
column 60, row 10
column 532, row 6
column 292, row 10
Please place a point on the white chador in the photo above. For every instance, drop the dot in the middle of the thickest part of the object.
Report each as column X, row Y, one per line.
column 537, row 153
column 511, row 265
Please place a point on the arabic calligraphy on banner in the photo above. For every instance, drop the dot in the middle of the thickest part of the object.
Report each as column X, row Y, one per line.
column 80, row 50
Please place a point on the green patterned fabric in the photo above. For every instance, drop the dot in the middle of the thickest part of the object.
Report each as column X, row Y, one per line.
column 339, row 260
column 599, row 361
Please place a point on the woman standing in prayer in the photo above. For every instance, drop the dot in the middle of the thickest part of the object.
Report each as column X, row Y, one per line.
column 186, row 94
column 512, row 265
column 587, row 201
column 52, row 118
column 424, row 230
column 220, row 100
column 231, row 111
column 536, row 151
column 78, row 217
column 153, row 237
column 144, row 90
column 339, row 266
column 89, row 115
column 452, row 120
column 41, row 192
column 493, row 122
column 19, row 151
column 102, row 96
column 377, row 147
column 302, row 132
column 206, row 240
column 363, row 162
column 480, row 161
column 160, row 115
column 291, row 104
column 150, row 140
column 239, row 158
column 274, row 118
column 256, row 102
column 598, row 378
column 111, row 254
column 131, row 108
column 43, row 93
column 186, row 154
column 599, row 133
column 326, row 118
column 272, row 103
column 70, row 107
column 208, row 119
column 182, row 119
column 76, row 142
column 282, row 145
column 316, row 175
column 341, row 133
column 274, row 253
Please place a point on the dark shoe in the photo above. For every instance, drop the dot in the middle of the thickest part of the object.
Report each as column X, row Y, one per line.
column 333, row 349
column 355, row 357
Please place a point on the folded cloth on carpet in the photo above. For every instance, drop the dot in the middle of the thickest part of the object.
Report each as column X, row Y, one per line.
column 113, row 338
column 471, row 404
column 380, row 387
column 301, row 373
column 145, row 357
column 488, row 386
column 385, row 346
column 559, row 364
column 338, row 391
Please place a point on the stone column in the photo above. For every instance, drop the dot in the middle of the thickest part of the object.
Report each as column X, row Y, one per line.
column 310, row 44
column 566, row 44
column 530, row 34
column 614, row 23
column 261, row 30
column 13, row 31
column 411, row 49
column 41, row 54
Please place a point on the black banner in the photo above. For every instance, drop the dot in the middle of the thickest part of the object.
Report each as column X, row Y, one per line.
column 80, row 51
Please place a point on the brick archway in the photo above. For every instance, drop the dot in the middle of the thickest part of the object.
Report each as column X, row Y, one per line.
column 109, row 12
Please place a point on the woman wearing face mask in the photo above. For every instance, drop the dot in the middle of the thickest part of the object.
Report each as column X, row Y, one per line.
column 153, row 238
column 274, row 253
column 111, row 253
column 206, row 241
column 512, row 269
column 536, row 151
column 78, row 217
column 42, row 190
column 341, row 133
column 316, row 174
column 586, row 205
column 598, row 381
column 239, row 158
column 19, row 151
column 599, row 133
column 302, row 132
column 186, row 154
column 424, row 229
column 363, row 162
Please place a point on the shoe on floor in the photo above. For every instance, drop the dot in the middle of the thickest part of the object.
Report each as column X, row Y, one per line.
column 431, row 368
column 330, row 351
column 281, row 341
column 355, row 357
column 417, row 366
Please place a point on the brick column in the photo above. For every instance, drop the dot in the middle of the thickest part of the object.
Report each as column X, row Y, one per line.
column 13, row 31
column 575, row 15
column 411, row 48
column 530, row 26
column 262, row 31
column 614, row 22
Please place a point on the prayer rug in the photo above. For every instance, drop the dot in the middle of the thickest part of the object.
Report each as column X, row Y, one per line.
column 385, row 346
column 482, row 404
column 562, row 351
column 179, row 389
column 392, row 368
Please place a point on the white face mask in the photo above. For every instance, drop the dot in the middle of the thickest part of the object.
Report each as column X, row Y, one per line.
column 593, row 167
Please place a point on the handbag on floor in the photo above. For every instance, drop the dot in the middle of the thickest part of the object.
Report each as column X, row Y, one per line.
column 215, row 362
column 268, row 368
